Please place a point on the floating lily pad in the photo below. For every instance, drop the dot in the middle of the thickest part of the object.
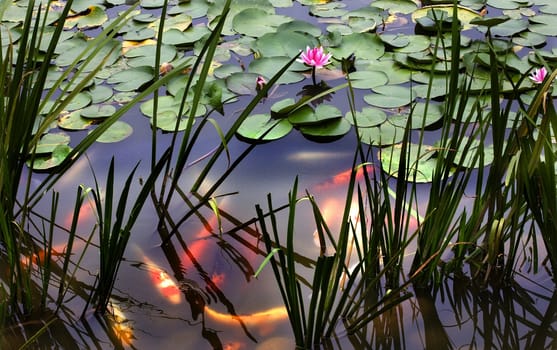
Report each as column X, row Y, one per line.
column 269, row 66
column 390, row 96
column 117, row 132
column 283, row 43
column 188, row 37
column 74, row 121
column 51, row 161
column 79, row 101
column 256, row 22
column 421, row 115
column 165, row 103
column 166, row 121
column 98, row 111
column 307, row 116
column 384, row 134
column 145, row 55
column 366, row 79
column 49, row 142
column 131, row 79
column 94, row 16
column 367, row 117
column 330, row 9
column 255, row 126
column 329, row 130
column 242, row 83
column 100, row 93
column 362, row 45
column 419, row 167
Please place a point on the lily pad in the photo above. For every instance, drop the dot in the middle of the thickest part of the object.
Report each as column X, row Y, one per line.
column 269, row 66
column 390, row 96
column 98, row 111
column 362, row 45
column 283, row 43
column 307, row 116
column 51, row 161
column 261, row 127
column 49, row 142
column 117, row 132
column 382, row 135
column 331, row 129
column 94, row 16
column 131, row 79
column 366, row 79
column 419, row 167
column 367, row 117
column 166, row 121
column 74, row 121
column 256, row 22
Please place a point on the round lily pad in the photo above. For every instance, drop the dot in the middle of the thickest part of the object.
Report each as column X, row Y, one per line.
column 116, row 132
column 98, row 111
column 52, row 160
column 328, row 130
column 390, row 96
column 367, row 117
column 261, row 127
column 74, row 121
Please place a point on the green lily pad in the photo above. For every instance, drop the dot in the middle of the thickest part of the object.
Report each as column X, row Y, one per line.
column 367, row 117
column 79, row 101
column 419, row 167
column 269, row 66
column 307, row 116
column 52, row 161
column 299, row 27
column 331, row 9
column 465, row 15
column 382, row 135
column 100, row 93
column 421, row 115
column 117, row 132
column 255, row 126
column 131, row 79
column 145, row 55
column 49, row 142
column 256, row 22
column 283, row 43
column 94, row 16
column 331, row 129
column 367, row 79
column 166, row 121
column 396, row 6
column 188, row 37
column 139, row 35
column 74, row 121
column 362, row 45
column 165, row 103
column 242, row 83
column 469, row 152
column 98, row 111
column 390, row 96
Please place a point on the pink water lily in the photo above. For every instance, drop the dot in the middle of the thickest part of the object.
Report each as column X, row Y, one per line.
column 315, row 57
column 538, row 75
column 260, row 83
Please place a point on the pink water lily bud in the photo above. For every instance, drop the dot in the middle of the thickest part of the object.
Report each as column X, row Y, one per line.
column 315, row 57
column 260, row 83
column 538, row 75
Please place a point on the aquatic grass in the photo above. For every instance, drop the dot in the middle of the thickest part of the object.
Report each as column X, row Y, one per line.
column 115, row 227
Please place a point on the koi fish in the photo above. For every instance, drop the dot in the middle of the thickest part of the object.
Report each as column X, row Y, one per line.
column 343, row 178
column 166, row 286
column 120, row 324
column 262, row 319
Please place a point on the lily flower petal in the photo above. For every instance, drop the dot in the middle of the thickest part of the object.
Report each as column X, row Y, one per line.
column 538, row 75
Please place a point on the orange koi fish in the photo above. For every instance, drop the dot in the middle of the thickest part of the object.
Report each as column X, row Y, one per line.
column 262, row 319
column 166, row 286
column 343, row 178
column 120, row 324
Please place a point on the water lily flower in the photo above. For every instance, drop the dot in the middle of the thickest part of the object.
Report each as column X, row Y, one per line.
column 538, row 75
column 315, row 58
column 165, row 68
column 260, row 83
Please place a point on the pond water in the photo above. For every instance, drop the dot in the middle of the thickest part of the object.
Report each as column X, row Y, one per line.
column 219, row 303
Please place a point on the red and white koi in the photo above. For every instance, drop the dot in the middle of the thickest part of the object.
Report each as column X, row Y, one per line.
column 166, row 286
